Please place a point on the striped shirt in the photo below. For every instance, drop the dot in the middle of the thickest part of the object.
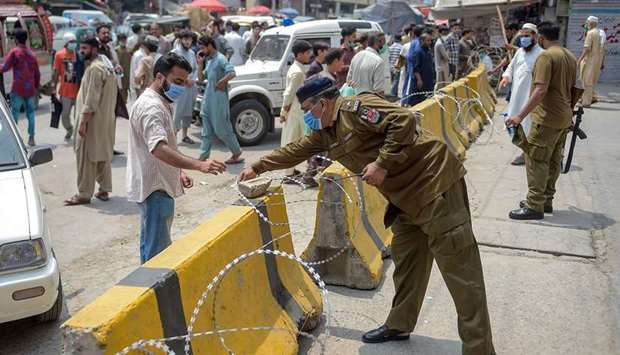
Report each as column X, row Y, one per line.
column 452, row 46
column 150, row 123
column 395, row 49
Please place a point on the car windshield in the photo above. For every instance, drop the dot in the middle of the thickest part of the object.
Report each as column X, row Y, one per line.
column 270, row 48
column 10, row 151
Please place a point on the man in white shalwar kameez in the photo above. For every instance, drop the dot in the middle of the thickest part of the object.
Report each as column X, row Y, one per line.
column 590, row 61
column 519, row 72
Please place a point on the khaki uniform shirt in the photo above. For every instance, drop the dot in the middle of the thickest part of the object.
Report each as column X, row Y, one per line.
column 556, row 68
column 368, row 128
column 97, row 95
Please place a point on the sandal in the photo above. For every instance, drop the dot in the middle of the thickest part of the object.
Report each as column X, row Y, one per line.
column 188, row 140
column 76, row 200
column 102, row 195
column 235, row 160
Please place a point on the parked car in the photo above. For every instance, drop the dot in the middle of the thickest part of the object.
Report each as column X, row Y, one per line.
column 245, row 22
column 87, row 17
column 141, row 18
column 29, row 276
column 256, row 92
column 59, row 23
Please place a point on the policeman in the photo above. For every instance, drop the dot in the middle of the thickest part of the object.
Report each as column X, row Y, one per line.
column 428, row 209
column 551, row 104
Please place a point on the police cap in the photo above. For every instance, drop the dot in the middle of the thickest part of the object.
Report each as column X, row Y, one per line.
column 314, row 87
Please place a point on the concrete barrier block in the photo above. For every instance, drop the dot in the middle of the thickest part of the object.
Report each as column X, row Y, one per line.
column 350, row 234
column 158, row 299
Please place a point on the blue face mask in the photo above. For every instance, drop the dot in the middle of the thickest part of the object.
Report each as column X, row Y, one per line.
column 72, row 46
column 311, row 120
column 525, row 41
column 174, row 91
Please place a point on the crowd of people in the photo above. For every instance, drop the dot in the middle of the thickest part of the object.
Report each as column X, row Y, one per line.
column 418, row 61
column 336, row 102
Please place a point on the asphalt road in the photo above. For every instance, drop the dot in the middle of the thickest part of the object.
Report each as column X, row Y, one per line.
column 542, row 298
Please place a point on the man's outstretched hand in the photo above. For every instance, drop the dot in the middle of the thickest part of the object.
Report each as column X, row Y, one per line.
column 374, row 174
column 247, row 174
column 212, row 167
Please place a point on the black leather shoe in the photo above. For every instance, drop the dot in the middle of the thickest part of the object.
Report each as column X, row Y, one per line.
column 525, row 214
column 383, row 334
column 547, row 209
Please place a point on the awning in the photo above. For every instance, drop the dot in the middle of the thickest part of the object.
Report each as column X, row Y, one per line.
column 452, row 9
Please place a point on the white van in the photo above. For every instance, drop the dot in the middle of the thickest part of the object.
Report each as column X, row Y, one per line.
column 256, row 92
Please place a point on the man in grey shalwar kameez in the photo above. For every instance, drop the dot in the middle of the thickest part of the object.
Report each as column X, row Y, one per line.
column 184, row 107
column 96, row 124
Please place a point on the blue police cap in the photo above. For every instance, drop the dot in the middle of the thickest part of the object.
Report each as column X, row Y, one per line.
column 314, row 87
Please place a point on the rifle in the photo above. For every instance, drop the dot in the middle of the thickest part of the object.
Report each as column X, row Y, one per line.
column 577, row 132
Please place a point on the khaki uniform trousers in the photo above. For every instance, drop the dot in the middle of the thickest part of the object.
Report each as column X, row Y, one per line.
column 91, row 171
column 543, row 160
column 442, row 231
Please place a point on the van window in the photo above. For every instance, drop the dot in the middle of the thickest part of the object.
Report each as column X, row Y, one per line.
column 314, row 40
column 35, row 33
column 354, row 24
column 270, row 48
column 36, row 36
column 9, row 27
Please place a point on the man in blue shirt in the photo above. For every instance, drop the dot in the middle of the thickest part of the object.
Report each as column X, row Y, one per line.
column 410, row 84
column 423, row 69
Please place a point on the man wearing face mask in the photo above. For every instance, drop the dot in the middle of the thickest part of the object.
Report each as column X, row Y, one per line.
column 215, row 110
column 519, row 73
column 423, row 69
column 155, row 175
column 64, row 71
column 184, row 109
column 551, row 105
column 96, row 119
column 367, row 68
column 428, row 208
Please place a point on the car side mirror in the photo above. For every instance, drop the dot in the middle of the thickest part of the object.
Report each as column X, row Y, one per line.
column 40, row 156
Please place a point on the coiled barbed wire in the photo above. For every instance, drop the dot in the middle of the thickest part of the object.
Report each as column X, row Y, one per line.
column 213, row 286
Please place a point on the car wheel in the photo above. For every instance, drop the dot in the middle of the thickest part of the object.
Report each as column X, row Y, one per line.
column 250, row 121
column 54, row 313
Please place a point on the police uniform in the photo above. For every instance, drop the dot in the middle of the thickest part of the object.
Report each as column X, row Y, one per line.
column 556, row 70
column 428, row 209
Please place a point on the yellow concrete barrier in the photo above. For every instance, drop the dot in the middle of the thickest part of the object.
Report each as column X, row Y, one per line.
column 349, row 233
column 467, row 117
column 479, row 82
column 474, row 97
column 158, row 299
column 431, row 119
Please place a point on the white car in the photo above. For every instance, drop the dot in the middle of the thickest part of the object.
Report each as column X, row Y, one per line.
column 256, row 92
column 29, row 276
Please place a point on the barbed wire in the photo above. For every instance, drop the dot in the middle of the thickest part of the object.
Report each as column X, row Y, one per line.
column 269, row 248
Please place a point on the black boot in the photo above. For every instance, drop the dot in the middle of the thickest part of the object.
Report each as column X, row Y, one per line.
column 525, row 213
column 547, row 209
column 383, row 334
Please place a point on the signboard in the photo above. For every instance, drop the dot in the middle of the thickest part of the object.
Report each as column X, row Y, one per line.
column 608, row 13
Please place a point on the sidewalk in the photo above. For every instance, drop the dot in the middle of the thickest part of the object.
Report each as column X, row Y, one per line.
column 546, row 289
